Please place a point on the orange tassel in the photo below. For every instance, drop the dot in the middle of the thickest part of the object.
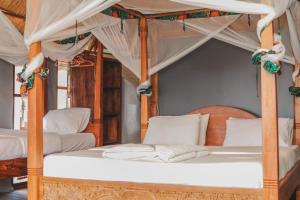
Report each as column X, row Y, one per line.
column 23, row 89
column 214, row 13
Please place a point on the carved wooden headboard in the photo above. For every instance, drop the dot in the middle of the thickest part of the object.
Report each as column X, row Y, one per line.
column 216, row 129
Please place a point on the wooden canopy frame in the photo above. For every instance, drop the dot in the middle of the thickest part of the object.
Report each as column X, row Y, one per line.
column 273, row 189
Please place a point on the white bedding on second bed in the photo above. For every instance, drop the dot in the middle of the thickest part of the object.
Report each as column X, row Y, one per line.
column 13, row 143
column 224, row 167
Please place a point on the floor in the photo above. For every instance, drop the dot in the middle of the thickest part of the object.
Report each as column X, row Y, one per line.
column 16, row 195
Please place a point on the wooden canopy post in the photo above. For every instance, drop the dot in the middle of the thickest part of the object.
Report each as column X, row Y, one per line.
column 269, row 124
column 154, row 97
column 35, row 132
column 144, row 75
column 154, row 77
column 98, row 99
column 297, row 110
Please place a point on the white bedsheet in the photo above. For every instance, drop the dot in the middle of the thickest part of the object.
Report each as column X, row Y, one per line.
column 77, row 141
column 13, row 143
column 224, row 167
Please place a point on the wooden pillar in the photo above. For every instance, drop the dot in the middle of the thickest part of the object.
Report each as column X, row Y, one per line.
column 35, row 132
column 154, row 97
column 269, row 124
column 144, row 75
column 154, row 77
column 98, row 100
column 45, row 86
column 297, row 110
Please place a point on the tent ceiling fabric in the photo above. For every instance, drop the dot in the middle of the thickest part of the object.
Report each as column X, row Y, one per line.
column 155, row 6
column 168, row 40
column 15, row 11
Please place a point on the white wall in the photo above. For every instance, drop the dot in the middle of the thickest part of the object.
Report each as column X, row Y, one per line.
column 6, row 94
column 6, row 106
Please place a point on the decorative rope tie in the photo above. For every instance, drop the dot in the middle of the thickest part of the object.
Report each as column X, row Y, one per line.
column 269, row 57
column 28, row 84
column 295, row 91
column 145, row 88
column 29, row 71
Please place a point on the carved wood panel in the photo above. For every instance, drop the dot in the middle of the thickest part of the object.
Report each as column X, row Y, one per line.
column 83, row 190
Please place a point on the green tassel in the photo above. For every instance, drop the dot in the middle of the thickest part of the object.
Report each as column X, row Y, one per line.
column 295, row 91
column 30, row 82
column 256, row 59
column 146, row 91
column 271, row 67
column 44, row 73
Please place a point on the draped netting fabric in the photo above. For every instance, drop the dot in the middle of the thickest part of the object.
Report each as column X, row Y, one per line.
column 12, row 48
column 168, row 41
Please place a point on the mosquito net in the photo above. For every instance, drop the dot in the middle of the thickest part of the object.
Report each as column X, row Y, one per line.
column 168, row 40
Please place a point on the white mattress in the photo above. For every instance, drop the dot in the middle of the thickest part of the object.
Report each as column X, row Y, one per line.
column 77, row 141
column 13, row 143
column 224, row 167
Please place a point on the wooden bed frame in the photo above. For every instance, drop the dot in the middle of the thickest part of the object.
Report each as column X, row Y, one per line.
column 18, row 167
column 40, row 187
column 61, row 188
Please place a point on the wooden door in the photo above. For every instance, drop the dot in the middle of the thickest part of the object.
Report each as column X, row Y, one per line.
column 82, row 95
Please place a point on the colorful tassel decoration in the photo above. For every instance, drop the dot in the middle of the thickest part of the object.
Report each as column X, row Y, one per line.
column 295, row 91
column 28, row 84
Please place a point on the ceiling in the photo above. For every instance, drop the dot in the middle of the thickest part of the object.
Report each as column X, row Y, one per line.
column 15, row 10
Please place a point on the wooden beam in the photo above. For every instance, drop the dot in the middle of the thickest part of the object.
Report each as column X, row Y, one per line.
column 129, row 11
column 35, row 132
column 98, row 101
column 176, row 13
column 12, row 14
column 297, row 110
column 45, row 86
column 144, row 76
column 269, row 124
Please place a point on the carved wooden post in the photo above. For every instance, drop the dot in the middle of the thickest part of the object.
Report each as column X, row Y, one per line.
column 154, row 97
column 98, row 99
column 154, row 77
column 144, row 75
column 35, row 132
column 269, row 124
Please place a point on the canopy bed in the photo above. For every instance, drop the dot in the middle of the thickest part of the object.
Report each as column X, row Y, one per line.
column 275, row 185
column 13, row 143
column 13, row 161
column 191, row 182
column 40, row 30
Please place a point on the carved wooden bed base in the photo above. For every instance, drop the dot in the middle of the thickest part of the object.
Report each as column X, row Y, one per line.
column 18, row 167
column 13, row 168
column 76, row 189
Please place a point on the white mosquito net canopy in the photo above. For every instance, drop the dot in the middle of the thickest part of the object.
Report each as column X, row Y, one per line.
column 168, row 40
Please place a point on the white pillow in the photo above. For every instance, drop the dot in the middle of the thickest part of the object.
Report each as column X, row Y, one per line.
column 173, row 130
column 66, row 121
column 203, row 128
column 248, row 132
